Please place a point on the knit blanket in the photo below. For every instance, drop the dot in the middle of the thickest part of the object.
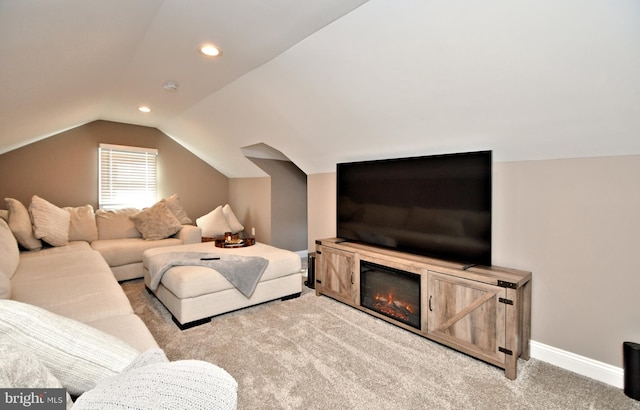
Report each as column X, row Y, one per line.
column 244, row 272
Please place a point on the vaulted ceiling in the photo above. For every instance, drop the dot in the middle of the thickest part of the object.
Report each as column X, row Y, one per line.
column 330, row 80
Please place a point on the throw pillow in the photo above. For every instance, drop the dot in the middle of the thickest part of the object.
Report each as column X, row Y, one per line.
column 20, row 224
column 4, row 214
column 235, row 225
column 214, row 223
column 50, row 223
column 21, row 369
column 78, row 355
column 147, row 357
column 9, row 252
column 116, row 224
column 83, row 223
column 9, row 259
column 157, row 222
column 191, row 384
column 5, row 287
column 173, row 202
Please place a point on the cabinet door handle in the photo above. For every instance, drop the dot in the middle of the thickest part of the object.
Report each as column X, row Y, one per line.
column 430, row 310
column 352, row 278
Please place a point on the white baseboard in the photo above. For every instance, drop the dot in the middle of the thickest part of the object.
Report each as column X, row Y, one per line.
column 584, row 366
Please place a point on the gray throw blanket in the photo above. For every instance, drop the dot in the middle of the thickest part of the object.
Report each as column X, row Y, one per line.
column 244, row 272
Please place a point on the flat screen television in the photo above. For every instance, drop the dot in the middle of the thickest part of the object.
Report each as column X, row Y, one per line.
column 437, row 206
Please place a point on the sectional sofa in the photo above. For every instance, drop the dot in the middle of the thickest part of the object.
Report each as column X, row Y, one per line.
column 121, row 236
column 62, row 308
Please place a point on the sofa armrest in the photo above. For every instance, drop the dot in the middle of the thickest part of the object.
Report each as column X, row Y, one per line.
column 190, row 234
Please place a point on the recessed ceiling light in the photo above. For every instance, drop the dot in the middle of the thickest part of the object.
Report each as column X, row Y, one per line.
column 144, row 108
column 171, row 86
column 210, row 50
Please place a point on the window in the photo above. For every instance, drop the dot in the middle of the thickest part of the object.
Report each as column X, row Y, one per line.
column 127, row 176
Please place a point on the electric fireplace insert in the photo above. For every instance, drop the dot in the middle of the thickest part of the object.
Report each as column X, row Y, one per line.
column 391, row 292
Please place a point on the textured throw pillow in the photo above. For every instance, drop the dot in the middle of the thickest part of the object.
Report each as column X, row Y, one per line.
column 157, row 222
column 83, row 223
column 173, row 202
column 235, row 225
column 191, row 384
column 50, row 223
column 214, row 223
column 78, row 355
column 20, row 224
column 147, row 357
column 21, row 369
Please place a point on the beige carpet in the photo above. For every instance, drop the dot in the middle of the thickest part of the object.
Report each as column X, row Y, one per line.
column 316, row 353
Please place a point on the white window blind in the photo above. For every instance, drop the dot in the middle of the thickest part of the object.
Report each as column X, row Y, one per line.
column 127, row 176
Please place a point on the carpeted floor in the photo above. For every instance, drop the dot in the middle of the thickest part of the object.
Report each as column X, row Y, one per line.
column 316, row 353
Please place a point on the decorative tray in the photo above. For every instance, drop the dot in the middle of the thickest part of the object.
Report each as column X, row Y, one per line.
column 220, row 242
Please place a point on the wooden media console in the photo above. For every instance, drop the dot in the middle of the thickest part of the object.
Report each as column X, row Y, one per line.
column 482, row 311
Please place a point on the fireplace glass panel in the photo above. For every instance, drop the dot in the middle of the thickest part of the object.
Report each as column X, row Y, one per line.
column 390, row 292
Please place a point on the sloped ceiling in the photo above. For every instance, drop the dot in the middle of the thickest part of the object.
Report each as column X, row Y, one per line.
column 332, row 80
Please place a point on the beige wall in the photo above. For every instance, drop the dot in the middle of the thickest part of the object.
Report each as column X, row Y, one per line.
column 63, row 169
column 288, row 203
column 250, row 199
column 321, row 197
column 575, row 224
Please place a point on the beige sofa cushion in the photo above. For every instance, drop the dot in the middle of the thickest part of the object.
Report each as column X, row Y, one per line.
column 77, row 285
column 116, row 224
column 129, row 328
column 82, row 226
column 74, row 246
column 20, row 224
column 50, row 223
column 157, row 222
column 118, row 252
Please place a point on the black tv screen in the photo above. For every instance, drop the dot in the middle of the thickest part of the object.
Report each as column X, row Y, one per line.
column 437, row 206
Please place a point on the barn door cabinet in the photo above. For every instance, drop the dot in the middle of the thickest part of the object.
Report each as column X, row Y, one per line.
column 484, row 312
column 336, row 274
